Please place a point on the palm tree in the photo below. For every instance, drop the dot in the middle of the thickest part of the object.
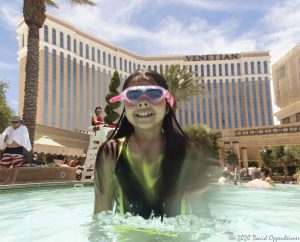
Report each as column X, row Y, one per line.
column 34, row 12
column 181, row 83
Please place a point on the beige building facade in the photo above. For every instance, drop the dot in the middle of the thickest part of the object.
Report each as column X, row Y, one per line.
column 286, row 79
column 76, row 68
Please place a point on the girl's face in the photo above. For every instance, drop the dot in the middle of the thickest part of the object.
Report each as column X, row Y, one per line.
column 145, row 115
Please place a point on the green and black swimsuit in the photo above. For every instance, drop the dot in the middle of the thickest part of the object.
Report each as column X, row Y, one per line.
column 140, row 187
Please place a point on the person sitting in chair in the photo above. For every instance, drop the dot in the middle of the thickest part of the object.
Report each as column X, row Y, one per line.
column 97, row 117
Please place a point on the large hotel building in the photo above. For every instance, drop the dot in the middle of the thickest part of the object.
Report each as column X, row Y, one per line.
column 286, row 78
column 76, row 67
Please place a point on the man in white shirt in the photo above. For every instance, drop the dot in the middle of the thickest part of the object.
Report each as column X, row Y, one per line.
column 14, row 139
column 256, row 182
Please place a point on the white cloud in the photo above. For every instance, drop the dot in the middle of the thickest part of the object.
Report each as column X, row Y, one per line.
column 13, row 102
column 10, row 13
column 282, row 27
column 8, row 66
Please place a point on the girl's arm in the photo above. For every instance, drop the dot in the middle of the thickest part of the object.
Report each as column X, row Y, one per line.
column 104, row 172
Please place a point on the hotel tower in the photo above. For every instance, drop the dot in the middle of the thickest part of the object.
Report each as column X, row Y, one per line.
column 76, row 68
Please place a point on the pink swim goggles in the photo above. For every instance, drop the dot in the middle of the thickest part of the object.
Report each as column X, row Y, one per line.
column 133, row 94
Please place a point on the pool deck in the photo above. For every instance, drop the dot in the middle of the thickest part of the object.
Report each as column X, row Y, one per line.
column 44, row 184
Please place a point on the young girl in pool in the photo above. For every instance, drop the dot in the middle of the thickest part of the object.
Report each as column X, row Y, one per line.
column 146, row 167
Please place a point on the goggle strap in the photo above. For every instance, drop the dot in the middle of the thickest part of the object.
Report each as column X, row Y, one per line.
column 170, row 100
column 115, row 99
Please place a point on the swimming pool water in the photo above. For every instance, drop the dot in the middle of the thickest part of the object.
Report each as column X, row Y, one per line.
column 65, row 214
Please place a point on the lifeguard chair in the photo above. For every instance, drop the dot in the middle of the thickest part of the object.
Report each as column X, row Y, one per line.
column 98, row 135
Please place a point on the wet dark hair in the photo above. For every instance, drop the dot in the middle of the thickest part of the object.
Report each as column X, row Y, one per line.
column 96, row 109
column 175, row 138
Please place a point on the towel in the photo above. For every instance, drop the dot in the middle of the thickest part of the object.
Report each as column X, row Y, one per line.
column 2, row 143
column 19, row 135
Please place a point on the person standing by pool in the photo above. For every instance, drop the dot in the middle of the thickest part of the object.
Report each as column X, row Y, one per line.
column 15, row 138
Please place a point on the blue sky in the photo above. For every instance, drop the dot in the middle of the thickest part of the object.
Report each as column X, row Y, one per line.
column 154, row 27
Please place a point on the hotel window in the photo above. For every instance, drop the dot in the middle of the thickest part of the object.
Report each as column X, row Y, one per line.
column 120, row 64
column 93, row 53
column 166, row 68
column 210, row 110
column 192, row 110
column 190, row 68
column 155, row 68
column 297, row 117
column 149, row 67
column 269, row 103
column 203, row 95
column 61, row 89
column 99, row 85
column 286, row 120
column 266, row 67
column 246, row 68
column 81, row 94
column 222, row 104
column 228, row 95
column 125, row 65
column 220, row 69
column 242, row 111
column 68, row 42
column 75, row 45
column 207, row 70
column 239, row 69
column 68, row 88
column 23, row 40
column 134, row 67
column 98, row 56
column 115, row 62
column 129, row 66
column 248, row 102
column 109, row 60
column 61, row 40
column 46, row 33
column 261, row 101
column 202, row 70
column 80, row 49
column 252, row 67
column 104, row 58
column 93, row 86
column 258, row 68
column 232, row 69
column 46, row 83
column 255, row 101
column 53, row 36
column 196, row 71
column 53, row 96
column 87, row 94
column 281, row 72
column 226, row 69
column 214, row 70
column 87, row 51
column 75, row 98
column 234, row 101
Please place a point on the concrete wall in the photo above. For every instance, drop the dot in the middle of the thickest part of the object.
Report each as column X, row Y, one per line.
column 41, row 174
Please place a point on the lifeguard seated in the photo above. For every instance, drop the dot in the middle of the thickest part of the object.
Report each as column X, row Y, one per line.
column 97, row 120
column 97, row 117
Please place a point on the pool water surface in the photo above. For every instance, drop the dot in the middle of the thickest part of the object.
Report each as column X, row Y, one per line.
column 65, row 214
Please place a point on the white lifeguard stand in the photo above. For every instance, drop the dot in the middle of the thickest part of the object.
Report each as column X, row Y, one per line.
column 98, row 135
